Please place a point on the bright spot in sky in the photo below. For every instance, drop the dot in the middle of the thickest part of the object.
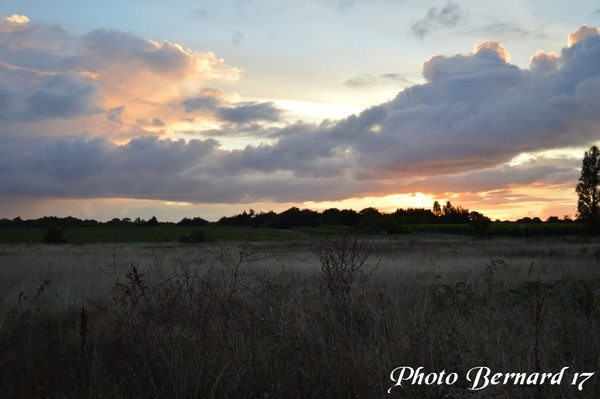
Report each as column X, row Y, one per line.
column 562, row 153
column 385, row 204
column 316, row 112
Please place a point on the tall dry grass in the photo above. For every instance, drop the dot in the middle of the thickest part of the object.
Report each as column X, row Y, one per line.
column 247, row 320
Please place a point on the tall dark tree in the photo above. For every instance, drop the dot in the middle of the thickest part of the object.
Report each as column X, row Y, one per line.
column 588, row 190
column 437, row 209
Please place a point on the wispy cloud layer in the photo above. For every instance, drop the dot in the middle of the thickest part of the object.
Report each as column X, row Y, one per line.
column 445, row 17
column 367, row 81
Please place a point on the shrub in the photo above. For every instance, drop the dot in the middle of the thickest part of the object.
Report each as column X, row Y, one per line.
column 54, row 235
column 480, row 224
column 343, row 261
column 196, row 236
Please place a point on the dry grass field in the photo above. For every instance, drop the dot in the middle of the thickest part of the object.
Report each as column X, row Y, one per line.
column 327, row 319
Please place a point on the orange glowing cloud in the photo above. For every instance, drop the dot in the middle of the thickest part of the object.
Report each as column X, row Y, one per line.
column 542, row 61
column 578, row 35
column 494, row 46
column 142, row 82
column 145, row 76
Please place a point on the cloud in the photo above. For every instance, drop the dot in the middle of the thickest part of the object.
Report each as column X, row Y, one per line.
column 215, row 104
column 201, row 103
column 345, row 5
column 17, row 19
column 495, row 47
column 114, row 114
column 368, row 81
column 13, row 24
column 581, row 33
column 198, row 14
column 107, row 55
column 542, row 62
column 237, row 38
column 503, row 177
column 156, row 122
column 64, row 96
column 250, row 112
column 120, row 49
column 447, row 17
column 458, row 130
column 6, row 97
column 474, row 112
column 145, row 168
column 508, row 31
column 95, row 166
column 207, row 99
column 47, row 73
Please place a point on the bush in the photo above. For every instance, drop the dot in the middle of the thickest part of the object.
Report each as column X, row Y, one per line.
column 196, row 236
column 480, row 224
column 54, row 235
column 343, row 261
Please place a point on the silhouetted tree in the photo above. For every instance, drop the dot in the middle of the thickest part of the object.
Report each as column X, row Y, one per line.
column 349, row 217
column 481, row 224
column 369, row 212
column 448, row 209
column 331, row 216
column 294, row 217
column 452, row 214
column 588, row 190
column 240, row 220
column 437, row 209
column 153, row 222
column 197, row 221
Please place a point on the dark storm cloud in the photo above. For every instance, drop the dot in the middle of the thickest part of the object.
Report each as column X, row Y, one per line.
column 83, row 156
column 148, row 168
column 250, row 112
column 448, row 16
column 64, row 96
column 304, row 155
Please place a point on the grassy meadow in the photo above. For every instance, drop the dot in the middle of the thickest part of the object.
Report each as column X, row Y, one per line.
column 132, row 234
column 319, row 318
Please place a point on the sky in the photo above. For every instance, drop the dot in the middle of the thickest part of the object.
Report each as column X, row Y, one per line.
column 203, row 108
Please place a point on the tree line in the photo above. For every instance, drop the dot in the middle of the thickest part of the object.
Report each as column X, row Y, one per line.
column 392, row 222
